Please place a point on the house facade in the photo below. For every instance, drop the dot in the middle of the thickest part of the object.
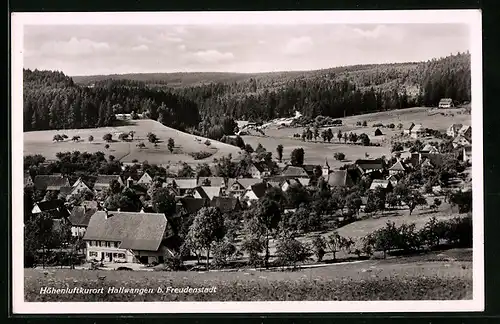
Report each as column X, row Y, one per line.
column 453, row 130
column 79, row 219
column 461, row 141
column 126, row 237
column 145, row 180
column 445, row 103
column 103, row 182
column 467, row 154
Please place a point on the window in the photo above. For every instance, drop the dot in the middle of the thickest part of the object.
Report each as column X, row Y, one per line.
column 115, row 255
column 92, row 254
column 116, row 244
column 121, row 255
column 108, row 244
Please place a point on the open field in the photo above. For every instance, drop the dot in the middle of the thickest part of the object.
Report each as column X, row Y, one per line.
column 360, row 228
column 40, row 142
column 317, row 151
column 445, row 275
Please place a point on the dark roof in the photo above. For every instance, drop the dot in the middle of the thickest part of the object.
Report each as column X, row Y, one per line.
column 259, row 166
column 226, row 204
column 370, row 164
column 64, row 191
column 50, row 182
column 104, row 181
column 214, row 181
column 192, row 205
column 259, row 189
column 309, row 168
column 339, row 178
column 248, row 182
column 294, row 171
column 50, row 205
column 55, row 207
column 80, row 215
column 136, row 231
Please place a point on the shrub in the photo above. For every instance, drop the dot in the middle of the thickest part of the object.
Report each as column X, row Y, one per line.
column 358, row 123
column 339, row 156
column 459, row 231
column 174, row 262
column 207, row 143
column 289, row 251
column 365, row 123
column 200, row 155
column 378, row 125
column 319, row 246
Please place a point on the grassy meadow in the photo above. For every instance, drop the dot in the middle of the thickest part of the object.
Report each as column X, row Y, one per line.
column 40, row 142
column 446, row 275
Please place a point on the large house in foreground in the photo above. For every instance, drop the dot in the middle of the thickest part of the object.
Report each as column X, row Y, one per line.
column 113, row 236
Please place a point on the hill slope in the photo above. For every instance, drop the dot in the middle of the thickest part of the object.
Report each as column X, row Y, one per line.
column 40, row 142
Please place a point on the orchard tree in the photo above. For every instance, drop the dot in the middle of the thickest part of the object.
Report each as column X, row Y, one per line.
column 329, row 134
column 268, row 214
column 107, row 137
column 152, row 138
column 186, row 171
column 106, row 146
column 339, row 135
column 207, row 228
column 345, row 138
column 91, row 138
column 171, row 144
column 319, row 246
column 413, row 199
column 279, row 150
column 249, row 148
column 334, row 242
column 353, row 202
column 316, row 133
column 131, row 134
column 297, row 157
column 203, row 170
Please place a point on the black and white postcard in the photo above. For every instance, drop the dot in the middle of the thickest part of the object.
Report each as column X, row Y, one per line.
column 201, row 162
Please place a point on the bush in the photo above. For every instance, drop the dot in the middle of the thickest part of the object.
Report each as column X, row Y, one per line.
column 319, row 246
column 174, row 262
column 365, row 123
column 378, row 125
column 339, row 156
column 207, row 143
column 289, row 252
column 358, row 123
column 200, row 155
column 459, row 231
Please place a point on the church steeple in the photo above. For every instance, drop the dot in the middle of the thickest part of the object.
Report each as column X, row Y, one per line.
column 326, row 169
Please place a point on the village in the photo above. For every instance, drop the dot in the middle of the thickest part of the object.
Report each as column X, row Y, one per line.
column 111, row 238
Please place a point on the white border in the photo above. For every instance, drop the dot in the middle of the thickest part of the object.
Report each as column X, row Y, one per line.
column 469, row 17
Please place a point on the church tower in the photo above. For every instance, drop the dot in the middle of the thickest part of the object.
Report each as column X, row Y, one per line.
column 326, row 169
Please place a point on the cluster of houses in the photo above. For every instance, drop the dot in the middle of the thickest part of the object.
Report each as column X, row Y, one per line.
column 141, row 237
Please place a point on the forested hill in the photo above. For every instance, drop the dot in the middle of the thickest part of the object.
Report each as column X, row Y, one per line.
column 53, row 101
column 198, row 101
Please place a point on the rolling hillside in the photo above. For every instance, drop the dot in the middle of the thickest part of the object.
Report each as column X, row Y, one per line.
column 40, row 142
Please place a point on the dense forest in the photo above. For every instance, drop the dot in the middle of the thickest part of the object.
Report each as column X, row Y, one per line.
column 191, row 101
column 53, row 101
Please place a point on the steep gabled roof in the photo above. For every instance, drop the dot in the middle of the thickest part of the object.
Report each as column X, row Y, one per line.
column 259, row 189
column 370, row 164
column 50, row 205
column 51, row 182
column 226, row 204
column 104, row 181
column 80, row 215
column 208, row 192
column 246, row 183
column 398, row 166
column 417, row 128
column 304, row 181
column 135, row 231
column 145, row 178
column 339, row 178
column 429, row 148
column 192, row 205
column 186, row 183
column 294, row 171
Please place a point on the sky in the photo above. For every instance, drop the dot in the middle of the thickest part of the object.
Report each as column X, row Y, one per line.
column 92, row 49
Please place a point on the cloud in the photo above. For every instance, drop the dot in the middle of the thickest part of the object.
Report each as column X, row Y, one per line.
column 212, row 56
column 182, row 47
column 140, row 48
column 298, row 45
column 74, row 47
